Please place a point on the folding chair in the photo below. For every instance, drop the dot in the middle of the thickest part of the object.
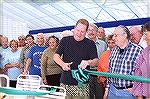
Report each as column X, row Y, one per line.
column 34, row 83
column 4, row 82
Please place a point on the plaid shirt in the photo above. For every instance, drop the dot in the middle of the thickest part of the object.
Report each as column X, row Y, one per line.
column 123, row 63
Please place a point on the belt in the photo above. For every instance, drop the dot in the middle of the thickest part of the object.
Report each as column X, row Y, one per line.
column 126, row 87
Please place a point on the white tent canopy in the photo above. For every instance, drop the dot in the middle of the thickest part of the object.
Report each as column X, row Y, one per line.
column 41, row 14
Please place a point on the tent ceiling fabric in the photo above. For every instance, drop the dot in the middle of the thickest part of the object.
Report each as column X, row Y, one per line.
column 41, row 14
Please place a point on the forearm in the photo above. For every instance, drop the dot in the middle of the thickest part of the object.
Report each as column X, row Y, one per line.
column 9, row 65
column 58, row 60
column 28, row 63
column 44, row 60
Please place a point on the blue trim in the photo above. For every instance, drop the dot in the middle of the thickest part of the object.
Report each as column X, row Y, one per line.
column 129, row 22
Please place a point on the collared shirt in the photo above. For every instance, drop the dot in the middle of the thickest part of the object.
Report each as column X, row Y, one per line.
column 123, row 63
column 101, row 47
column 142, row 69
column 143, row 42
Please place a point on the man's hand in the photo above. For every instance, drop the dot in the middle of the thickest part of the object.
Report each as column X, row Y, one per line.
column 25, row 72
column 84, row 64
column 66, row 66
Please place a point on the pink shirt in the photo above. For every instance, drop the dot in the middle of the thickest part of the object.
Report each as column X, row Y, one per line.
column 142, row 69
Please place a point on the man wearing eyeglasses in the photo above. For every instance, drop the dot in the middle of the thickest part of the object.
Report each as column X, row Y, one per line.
column 96, row 89
column 122, row 61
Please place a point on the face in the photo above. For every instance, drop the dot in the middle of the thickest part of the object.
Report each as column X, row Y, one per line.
column 40, row 40
column 21, row 39
column 80, row 32
column 135, row 35
column 147, row 37
column 52, row 43
column 91, row 33
column 4, row 42
column 14, row 45
column 111, row 44
column 29, row 40
column 101, row 33
column 119, row 36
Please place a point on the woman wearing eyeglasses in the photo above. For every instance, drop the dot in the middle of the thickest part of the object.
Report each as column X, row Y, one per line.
column 142, row 68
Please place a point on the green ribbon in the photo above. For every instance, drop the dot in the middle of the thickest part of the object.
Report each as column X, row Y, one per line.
column 15, row 91
column 82, row 76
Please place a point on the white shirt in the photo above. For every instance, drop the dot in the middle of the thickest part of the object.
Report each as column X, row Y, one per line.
column 143, row 42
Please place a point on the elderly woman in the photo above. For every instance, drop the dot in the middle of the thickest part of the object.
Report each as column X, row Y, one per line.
column 12, row 64
column 142, row 68
column 51, row 72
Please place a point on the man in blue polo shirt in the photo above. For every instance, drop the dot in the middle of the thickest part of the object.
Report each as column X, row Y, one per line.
column 33, row 64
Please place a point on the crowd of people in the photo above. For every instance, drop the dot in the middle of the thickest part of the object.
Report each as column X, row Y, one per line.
column 126, row 51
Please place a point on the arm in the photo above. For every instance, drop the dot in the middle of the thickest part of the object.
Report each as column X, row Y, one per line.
column 105, row 94
column 85, row 63
column 22, row 57
column 59, row 61
column 44, row 59
column 12, row 65
column 28, row 63
column 8, row 65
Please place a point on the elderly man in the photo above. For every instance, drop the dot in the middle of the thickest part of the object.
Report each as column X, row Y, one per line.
column 73, row 51
column 137, row 36
column 4, row 50
column 101, row 34
column 96, row 90
column 33, row 63
column 122, row 61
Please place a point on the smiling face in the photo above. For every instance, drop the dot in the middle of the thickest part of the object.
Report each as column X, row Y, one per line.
column 13, row 45
column 30, row 41
column 80, row 32
column 101, row 33
column 53, row 43
column 40, row 39
column 92, row 32
column 136, row 34
column 4, row 42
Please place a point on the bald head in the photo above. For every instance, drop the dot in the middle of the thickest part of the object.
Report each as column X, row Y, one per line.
column 136, row 34
column 4, row 42
column 101, row 33
column 40, row 39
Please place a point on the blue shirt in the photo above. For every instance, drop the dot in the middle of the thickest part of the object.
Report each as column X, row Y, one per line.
column 3, row 53
column 123, row 62
column 101, row 47
column 35, row 54
column 12, row 58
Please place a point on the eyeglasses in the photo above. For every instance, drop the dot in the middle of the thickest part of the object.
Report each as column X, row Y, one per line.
column 116, row 35
column 21, row 39
column 91, row 30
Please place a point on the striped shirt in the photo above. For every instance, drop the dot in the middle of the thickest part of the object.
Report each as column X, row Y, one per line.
column 123, row 62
